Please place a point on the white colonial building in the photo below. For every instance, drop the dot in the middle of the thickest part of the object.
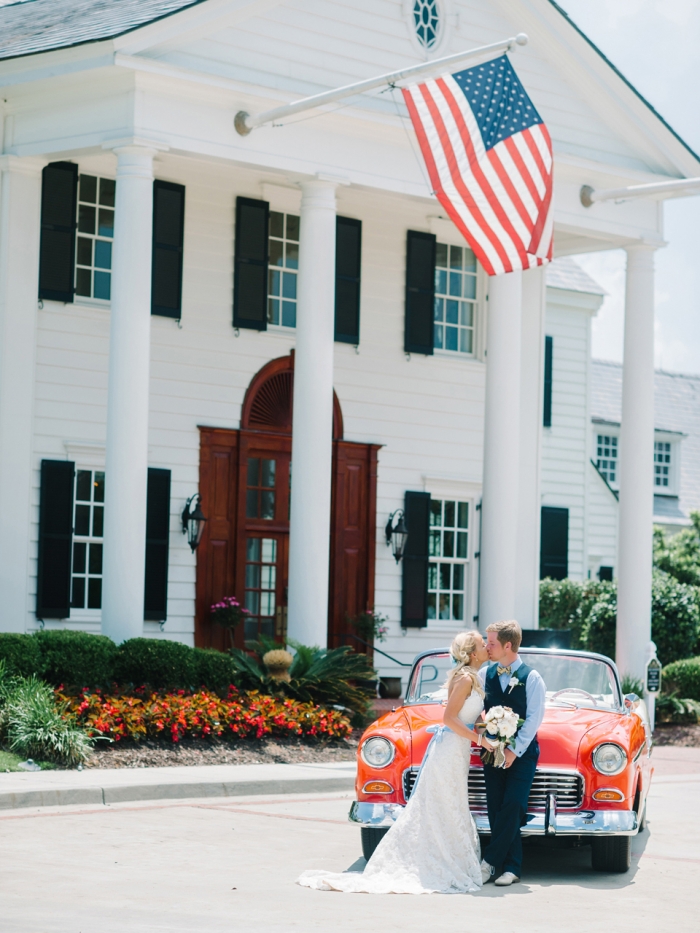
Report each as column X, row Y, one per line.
column 174, row 296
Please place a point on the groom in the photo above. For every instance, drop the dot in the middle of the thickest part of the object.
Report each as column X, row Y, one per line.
column 508, row 681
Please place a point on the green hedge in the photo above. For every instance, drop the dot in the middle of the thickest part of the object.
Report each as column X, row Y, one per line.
column 589, row 609
column 78, row 659
column 683, row 678
column 75, row 659
column 215, row 669
column 161, row 664
column 21, row 654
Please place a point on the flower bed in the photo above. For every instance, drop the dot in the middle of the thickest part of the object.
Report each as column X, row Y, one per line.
column 179, row 714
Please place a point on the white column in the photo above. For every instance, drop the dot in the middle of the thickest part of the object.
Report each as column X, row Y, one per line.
column 312, row 426
column 20, row 220
column 499, row 511
column 126, row 468
column 531, row 399
column 636, row 466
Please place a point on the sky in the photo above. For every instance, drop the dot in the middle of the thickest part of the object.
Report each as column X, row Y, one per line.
column 654, row 43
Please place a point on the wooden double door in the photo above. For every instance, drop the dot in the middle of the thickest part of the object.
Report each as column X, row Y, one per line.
column 246, row 484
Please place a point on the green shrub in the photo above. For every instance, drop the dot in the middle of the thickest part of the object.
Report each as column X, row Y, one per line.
column 682, row 678
column 215, row 670
column 559, row 601
column 589, row 609
column 675, row 618
column 679, row 554
column 77, row 659
column 34, row 727
column 20, row 653
column 600, row 621
column 157, row 662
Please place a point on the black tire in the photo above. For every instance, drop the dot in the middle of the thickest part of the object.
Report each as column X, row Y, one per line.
column 371, row 837
column 611, row 853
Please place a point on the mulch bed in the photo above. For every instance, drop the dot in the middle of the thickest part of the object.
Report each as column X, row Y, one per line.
column 686, row 735
column 189, row 752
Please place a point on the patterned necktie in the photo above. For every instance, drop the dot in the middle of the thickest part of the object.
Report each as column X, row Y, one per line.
column 502, row 670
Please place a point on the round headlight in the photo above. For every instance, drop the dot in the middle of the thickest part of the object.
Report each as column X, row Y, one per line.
column 378, row 752
column 609, row 759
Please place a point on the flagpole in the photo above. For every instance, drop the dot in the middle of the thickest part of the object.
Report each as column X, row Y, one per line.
column 245, row 122
column 678, row 187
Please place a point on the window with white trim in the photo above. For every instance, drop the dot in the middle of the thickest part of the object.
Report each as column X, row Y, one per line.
column 93, row 259
column 663, row 478
column 454, row 314
column 426, row 19
column 88, row 524
column 448, row 549
column 283, row 269
column 606, row 457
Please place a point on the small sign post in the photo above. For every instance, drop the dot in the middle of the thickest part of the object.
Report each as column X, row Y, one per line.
column 654, row 675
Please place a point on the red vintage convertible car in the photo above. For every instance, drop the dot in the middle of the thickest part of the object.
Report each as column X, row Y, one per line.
column 594, row 769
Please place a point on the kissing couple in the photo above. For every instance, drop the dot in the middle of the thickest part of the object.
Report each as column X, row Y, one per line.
column 433, row 847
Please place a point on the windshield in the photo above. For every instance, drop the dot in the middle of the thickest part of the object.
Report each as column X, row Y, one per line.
column 570, row 681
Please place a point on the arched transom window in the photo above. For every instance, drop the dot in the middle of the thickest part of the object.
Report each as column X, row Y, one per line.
column 426, row 16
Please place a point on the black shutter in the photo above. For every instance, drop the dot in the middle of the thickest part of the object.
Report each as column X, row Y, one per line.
column 168, row 239
column 420, row 292
column 554, row 543
column 548, row 350
column 55, row 539
column 348, row 251
column 155, row 602
column 59, row 191
column 414, row 595
column 250, row 264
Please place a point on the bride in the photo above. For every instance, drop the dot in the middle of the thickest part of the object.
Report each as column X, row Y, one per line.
column 433, row 847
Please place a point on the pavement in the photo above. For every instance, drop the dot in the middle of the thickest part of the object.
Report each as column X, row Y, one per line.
column 123, row 785
column 228, row 864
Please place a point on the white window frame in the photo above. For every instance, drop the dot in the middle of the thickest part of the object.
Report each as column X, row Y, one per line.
column 278, row 326
column 447, row 233
column 451, row 488
column 86, row 613
column 96, row 237
column 611, row 431
column 87, row 455
column 447, row 19
column 674, row 484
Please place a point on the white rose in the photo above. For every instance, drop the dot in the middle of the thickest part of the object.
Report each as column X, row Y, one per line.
column 492, row 729
column 508, row 730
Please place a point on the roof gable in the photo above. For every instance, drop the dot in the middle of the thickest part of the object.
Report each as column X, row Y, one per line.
column 36, row 26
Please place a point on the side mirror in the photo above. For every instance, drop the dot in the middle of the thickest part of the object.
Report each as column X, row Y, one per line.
column 630, row 700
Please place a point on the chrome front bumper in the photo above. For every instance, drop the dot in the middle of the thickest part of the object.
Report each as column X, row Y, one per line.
column 550, row 823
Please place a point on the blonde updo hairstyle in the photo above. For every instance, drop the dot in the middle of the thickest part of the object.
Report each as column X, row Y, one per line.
column 462, row 649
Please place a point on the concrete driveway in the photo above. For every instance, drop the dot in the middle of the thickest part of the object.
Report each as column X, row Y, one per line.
column 229, row 865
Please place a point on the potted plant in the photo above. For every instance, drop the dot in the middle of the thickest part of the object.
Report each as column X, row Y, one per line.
column 228, row 613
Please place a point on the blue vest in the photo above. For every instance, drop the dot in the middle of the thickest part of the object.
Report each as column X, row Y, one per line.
column 516, row 698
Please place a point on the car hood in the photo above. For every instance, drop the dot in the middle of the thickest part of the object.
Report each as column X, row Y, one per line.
column 559, row 735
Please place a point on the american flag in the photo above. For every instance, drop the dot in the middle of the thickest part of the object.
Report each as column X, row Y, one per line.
column 489, row 157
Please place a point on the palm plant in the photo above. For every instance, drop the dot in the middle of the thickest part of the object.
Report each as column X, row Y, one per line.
column 325, row 676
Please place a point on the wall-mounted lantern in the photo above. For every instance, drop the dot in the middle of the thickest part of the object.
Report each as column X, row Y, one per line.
column 193, row 520
column 396, row 534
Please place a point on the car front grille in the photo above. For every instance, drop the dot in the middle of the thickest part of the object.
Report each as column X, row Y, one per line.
column 566, row 785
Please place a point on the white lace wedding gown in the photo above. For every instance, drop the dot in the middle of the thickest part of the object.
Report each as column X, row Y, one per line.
column 433, row 847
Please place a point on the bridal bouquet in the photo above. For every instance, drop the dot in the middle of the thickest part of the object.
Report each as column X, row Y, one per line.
column 501, row 725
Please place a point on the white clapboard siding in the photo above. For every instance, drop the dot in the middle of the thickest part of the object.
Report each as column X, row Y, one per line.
column 426, row 412
column 302, row 48
column 565, row 444
column 602, row 523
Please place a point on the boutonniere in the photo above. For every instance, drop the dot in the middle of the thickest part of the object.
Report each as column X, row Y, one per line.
column 514, row 682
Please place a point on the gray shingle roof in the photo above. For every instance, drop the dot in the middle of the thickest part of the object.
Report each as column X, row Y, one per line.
column 41, row 25
column 565, row 273
column 676, row 408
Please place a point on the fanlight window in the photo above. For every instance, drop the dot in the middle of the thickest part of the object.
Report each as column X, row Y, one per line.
column 426, row 16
